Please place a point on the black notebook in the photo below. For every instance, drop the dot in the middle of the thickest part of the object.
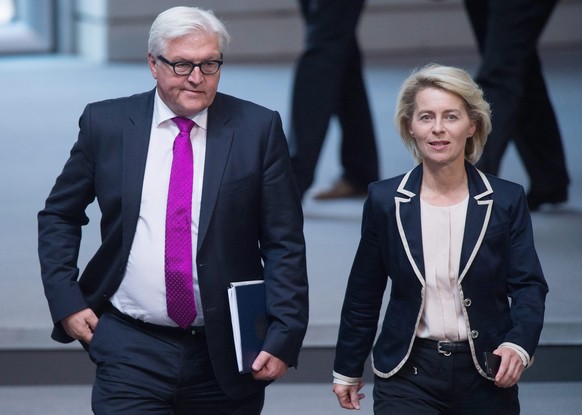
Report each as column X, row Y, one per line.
column 248, row 312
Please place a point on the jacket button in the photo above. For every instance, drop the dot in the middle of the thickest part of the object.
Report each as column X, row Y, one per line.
column 467, row 302
column 474, row 334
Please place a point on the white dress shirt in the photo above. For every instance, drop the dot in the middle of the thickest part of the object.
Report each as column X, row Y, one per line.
column 142, row 293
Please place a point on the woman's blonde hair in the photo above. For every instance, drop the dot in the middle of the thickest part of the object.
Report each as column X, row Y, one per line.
column 455, row 81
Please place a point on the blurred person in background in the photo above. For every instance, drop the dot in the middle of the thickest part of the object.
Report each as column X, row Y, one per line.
column 508, row 33
column 329, row 82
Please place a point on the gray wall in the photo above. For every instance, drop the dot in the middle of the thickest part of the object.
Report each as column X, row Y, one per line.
column 116, row 30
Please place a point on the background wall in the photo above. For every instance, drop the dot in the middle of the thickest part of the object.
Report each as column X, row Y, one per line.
column 117, row 30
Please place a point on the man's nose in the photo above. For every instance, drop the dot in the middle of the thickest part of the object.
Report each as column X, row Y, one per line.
column 196, row 76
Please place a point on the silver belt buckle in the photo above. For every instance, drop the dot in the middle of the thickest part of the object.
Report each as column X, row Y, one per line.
column 440, row 350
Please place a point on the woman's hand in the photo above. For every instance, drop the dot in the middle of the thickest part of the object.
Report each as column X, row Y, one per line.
column 348, row 395
column 510, row 369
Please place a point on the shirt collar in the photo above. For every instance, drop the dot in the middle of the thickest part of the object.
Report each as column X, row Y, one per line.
column 162, row 114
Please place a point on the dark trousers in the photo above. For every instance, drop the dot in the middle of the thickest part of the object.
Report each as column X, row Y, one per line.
column 143, row 371
column 507, row 33
column 431, row 383
column 329, row 81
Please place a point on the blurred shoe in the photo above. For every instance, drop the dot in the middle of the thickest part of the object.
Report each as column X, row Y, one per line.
column 341, row 189
column 535, row 200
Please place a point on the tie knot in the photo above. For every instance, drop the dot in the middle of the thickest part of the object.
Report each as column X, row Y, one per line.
column 184, row 124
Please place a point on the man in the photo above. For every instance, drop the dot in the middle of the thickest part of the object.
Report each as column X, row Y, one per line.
column 507, row 33
column 242, row 220
column 331, row 48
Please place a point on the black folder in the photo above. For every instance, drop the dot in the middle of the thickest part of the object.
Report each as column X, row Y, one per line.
column 248, row 312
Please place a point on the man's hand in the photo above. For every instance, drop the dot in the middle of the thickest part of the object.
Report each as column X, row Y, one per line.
column 348, row 395
column 268, row 367
column 510, row 369
column 81, row 325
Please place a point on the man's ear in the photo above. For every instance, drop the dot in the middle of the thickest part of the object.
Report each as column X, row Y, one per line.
column 152, row 63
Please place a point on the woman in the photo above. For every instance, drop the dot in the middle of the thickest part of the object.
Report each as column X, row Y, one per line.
column 458, row 248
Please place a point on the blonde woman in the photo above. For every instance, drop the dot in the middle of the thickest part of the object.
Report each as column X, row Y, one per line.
column 457, row 246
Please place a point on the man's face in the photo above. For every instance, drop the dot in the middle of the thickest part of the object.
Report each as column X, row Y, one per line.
column 187, row 95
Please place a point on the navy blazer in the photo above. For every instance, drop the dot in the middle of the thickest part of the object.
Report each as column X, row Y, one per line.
column 498, row 263
column 251, row 222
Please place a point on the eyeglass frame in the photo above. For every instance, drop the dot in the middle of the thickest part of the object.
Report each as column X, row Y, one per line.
column 193, row 65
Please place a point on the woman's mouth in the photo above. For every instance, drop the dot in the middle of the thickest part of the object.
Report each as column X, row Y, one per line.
column 439, row 144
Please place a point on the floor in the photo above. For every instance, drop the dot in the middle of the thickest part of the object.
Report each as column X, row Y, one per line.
column 282, row 399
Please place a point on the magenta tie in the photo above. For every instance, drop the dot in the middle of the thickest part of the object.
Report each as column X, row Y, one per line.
column 178, row 253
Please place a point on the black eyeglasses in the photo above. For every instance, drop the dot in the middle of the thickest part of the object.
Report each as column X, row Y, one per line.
column 185, row 68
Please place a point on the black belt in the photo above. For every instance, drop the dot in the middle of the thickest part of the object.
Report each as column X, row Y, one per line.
column 156, row 328
column 444, row 347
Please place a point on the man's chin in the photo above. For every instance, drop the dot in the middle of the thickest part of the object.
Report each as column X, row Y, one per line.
column 190, row 110
column 195, row 105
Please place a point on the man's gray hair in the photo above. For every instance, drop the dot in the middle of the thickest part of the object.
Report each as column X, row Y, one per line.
column 181, row 21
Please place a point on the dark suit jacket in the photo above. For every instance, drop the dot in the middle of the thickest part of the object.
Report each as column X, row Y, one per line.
column 251, row 222
column 498, row 260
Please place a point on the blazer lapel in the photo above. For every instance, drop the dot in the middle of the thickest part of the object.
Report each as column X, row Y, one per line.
column 219, row 139
column 478, row 215
column 136, row 137
column 407, row 204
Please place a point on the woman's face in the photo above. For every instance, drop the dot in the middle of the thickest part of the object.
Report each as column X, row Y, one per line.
column 441, row 125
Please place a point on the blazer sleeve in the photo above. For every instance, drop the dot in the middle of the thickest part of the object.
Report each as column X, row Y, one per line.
column 59, row 228
column 526, row 284
column 282, row 248
column 363, row 297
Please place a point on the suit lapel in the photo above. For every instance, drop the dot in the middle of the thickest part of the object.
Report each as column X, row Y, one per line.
column 407, row 203
column 219, row 138
column 479, row 208
column 136, row 136
column 478, row 216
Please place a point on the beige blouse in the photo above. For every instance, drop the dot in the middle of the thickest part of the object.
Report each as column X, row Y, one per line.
column 442, row 239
